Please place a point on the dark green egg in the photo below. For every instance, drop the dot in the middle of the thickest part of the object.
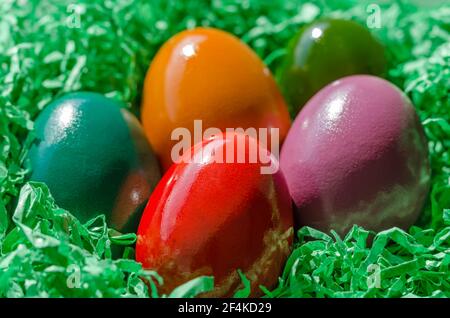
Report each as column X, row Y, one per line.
column 95, row 159
column 324, row 51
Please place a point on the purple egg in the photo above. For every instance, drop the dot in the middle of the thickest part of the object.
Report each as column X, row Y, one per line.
column 357, row 154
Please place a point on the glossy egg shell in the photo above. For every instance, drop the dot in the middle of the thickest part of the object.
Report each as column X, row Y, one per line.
column 356, row 154
column 209, row 75
column 94, row 157
column 323, row 51
column 211, row 218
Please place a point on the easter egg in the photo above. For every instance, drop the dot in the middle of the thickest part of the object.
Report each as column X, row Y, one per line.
column 209, row 216
column 324, row 51
column 356, row 154
column 209, row 75
column 95, row 159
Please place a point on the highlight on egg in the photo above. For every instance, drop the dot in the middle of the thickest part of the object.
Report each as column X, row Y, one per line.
column 94, row 157
column 209, row 75
column 357, row 154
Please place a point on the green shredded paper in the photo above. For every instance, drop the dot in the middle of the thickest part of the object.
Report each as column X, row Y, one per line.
column 50, row 47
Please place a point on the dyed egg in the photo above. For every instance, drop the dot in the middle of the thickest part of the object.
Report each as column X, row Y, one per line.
column 356, row 154
column 324, row 51
column 94, row 158
column 209, row 75
column 211, row 218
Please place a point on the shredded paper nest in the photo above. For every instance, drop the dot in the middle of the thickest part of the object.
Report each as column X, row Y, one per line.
column 49, row 47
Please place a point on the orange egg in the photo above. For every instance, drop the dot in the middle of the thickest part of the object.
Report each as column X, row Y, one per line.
column 210, row 75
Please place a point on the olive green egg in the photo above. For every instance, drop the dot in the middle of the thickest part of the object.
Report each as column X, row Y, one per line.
column 95, row 159
column 324, row 51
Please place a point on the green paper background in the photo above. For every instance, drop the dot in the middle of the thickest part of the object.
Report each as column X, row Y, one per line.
column 48, row 48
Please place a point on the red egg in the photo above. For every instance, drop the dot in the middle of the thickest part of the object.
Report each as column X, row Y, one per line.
column 209, row 216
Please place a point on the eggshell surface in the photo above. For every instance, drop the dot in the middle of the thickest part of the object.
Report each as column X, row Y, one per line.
column 356, row 154
column 209, row 75
column 95, row 159
column 212, row 218
column 326, row 50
